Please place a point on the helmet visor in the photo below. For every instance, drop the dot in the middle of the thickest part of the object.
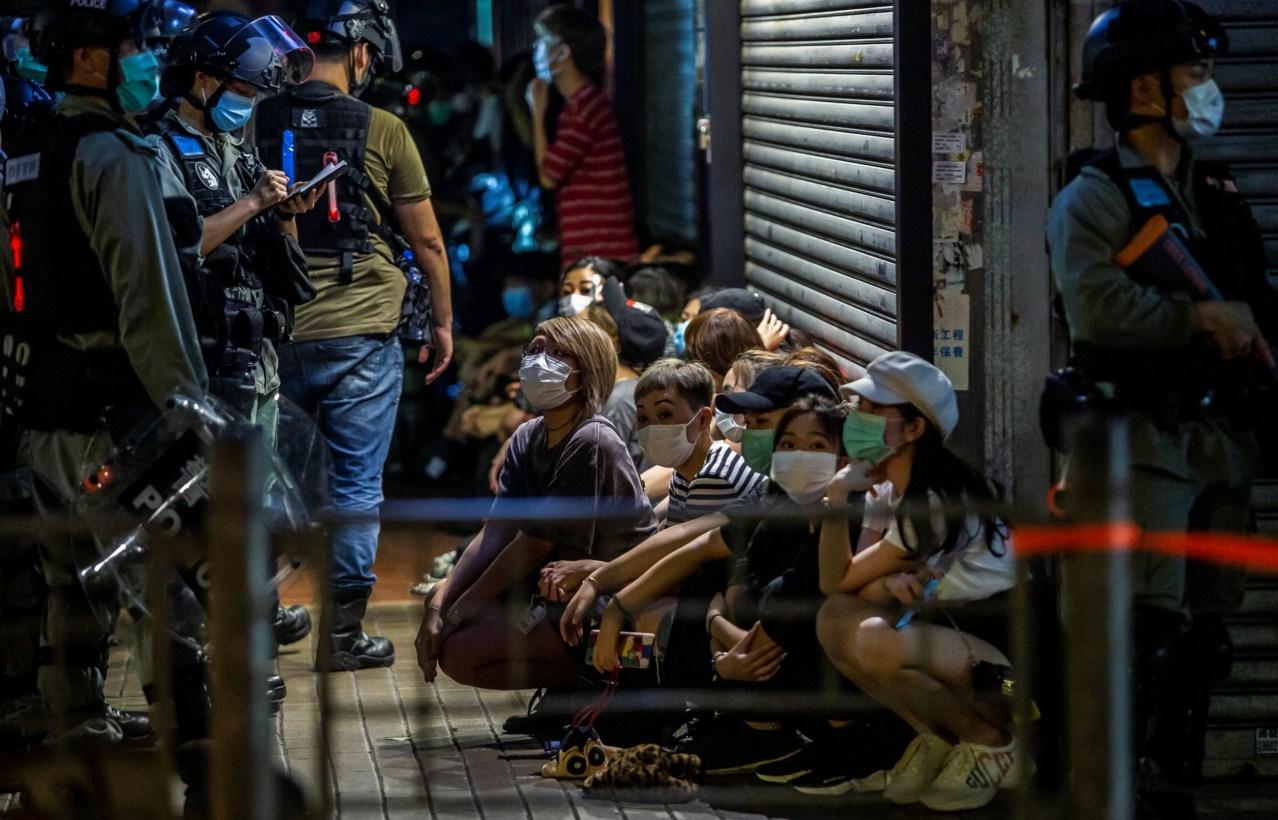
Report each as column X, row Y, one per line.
column 268, row 54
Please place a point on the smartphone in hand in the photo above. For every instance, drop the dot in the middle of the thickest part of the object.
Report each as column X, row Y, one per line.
column 929, row 592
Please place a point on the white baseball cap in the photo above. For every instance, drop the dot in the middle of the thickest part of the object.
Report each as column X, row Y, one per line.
column 903, row 378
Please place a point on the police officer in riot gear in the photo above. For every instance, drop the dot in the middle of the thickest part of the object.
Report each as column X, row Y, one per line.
column 1182, row 370
column 252, row 273
column 346, row 364
column 103, row 328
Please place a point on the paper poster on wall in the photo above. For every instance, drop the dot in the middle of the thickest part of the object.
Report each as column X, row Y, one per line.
column 949, row 173
column 951, row 348
column 951, row 143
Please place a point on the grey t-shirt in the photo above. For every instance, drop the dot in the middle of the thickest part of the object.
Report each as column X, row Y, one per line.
column 620, row 410
column 590, row 463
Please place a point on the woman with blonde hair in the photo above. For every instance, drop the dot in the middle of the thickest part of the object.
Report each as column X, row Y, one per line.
column 481, row 625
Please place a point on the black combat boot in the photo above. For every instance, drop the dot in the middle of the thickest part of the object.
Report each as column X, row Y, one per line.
column 292, row 623
column 1204, row 657
column 351, row 648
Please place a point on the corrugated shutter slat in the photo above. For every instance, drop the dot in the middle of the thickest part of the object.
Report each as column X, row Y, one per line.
column 819, row 117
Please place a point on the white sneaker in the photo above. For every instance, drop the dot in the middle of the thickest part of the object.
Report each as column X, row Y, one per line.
column 922, row 762
column 972, row 776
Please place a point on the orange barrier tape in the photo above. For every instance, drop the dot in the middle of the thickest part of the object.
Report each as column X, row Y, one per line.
column 1252, row 552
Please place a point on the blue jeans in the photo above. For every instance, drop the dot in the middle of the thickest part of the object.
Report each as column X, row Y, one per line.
column 351, row 387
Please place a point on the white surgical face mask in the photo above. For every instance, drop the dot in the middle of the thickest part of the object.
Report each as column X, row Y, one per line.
column 727, row 424
column 574, row 303
column 803, row 474
column 667, row 445
column 542, row 378
column 1206, row 107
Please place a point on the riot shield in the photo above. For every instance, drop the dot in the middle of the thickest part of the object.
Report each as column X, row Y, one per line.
column 154, row 484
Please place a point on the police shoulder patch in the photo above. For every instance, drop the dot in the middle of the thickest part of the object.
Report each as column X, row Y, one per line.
column 206, row 175
column 188, row 147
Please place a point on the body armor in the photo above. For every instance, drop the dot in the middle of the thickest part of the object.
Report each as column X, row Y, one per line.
column 323, row 120
column 59, row 290
column 232, row 328
column 1177, row 385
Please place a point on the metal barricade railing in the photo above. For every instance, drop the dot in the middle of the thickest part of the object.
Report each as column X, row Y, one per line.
column 1095, row 780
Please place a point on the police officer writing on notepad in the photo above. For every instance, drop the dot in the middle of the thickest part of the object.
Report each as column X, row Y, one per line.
column 252, row 273
column 1181, row 367
column 346, row 366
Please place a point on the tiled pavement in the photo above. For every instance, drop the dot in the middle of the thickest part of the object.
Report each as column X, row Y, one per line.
column 401, row 748
column 405, row 748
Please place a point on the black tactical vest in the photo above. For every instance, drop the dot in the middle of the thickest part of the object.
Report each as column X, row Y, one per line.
column 1231, row 253
column 47, row 384
column 65, row 285
column 322, row 119
column 231, row 331
column 203, row 179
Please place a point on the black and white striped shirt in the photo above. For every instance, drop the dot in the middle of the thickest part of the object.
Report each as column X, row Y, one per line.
column 722, row 480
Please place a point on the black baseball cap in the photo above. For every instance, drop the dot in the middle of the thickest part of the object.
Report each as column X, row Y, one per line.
column 746, row 302
column 640, row 329
column 774, row 388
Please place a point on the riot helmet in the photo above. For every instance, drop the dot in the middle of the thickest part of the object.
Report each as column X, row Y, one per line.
column 1140, row 36
column 348, row 22
column 65, row 25
column 263, row 53
column 167, row 19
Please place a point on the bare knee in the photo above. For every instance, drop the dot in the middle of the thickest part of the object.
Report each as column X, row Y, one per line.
column 875, row 649
column 848, row 631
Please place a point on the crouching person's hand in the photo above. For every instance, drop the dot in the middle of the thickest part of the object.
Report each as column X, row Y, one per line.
column 756, row 657
column 430, row 635
column 605, row 654
column 560, row 579
column 907, row 587
column 577, row 611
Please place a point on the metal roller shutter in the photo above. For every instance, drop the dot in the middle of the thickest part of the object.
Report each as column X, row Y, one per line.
column 819, row 148
column 1244, row 705
column 1248, row 76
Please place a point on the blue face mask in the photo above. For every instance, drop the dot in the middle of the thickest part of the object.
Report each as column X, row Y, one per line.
column 232, row 111
column 680, row 343
column 139, row 81
column 518, row 302
column 29, row 68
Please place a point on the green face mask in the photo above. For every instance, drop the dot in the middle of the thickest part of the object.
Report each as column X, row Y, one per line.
column 30, row 68
column 863, row 437
column 756, row 449
column 139, row 81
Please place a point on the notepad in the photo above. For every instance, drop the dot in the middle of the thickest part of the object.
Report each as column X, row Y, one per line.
column 330, row 173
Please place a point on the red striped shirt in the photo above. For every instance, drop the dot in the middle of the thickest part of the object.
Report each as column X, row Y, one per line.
column 588, row 165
